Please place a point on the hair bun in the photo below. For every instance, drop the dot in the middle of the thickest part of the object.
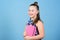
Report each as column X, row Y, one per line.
column 36, row 3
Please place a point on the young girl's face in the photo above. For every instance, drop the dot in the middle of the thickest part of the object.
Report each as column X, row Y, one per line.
column 32, row 11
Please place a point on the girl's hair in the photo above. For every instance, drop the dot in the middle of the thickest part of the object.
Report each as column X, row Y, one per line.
column 38, row 16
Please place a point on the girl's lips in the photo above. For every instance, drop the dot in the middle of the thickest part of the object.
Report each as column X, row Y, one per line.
column 30, row 14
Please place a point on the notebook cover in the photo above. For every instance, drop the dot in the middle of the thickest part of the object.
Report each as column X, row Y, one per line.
column 30, row 30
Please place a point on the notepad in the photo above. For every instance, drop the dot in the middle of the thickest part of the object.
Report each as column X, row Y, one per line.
column 30, row 30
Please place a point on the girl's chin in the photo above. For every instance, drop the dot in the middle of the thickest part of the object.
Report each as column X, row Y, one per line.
column 31, row 16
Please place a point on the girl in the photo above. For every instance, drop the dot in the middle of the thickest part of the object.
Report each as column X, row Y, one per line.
column 35, row 17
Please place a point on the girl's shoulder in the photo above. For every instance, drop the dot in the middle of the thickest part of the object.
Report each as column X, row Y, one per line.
column 39, row 23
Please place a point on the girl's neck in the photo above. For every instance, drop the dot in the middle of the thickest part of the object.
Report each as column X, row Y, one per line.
column 33, row 18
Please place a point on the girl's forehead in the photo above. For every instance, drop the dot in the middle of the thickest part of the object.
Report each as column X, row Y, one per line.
column 32, row 7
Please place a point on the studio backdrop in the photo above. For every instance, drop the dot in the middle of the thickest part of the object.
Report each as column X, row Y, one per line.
column 14, row 15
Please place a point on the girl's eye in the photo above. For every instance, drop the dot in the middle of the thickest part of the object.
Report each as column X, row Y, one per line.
column 32, row 10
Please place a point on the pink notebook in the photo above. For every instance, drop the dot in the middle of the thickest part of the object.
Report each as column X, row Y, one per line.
column 30, row 30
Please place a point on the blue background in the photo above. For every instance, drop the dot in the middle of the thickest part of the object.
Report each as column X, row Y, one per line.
column 14, row 15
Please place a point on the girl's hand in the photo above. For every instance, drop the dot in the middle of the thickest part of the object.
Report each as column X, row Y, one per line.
column 24, row 34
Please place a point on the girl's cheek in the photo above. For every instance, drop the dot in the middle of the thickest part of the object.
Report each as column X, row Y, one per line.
column 34, row 13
